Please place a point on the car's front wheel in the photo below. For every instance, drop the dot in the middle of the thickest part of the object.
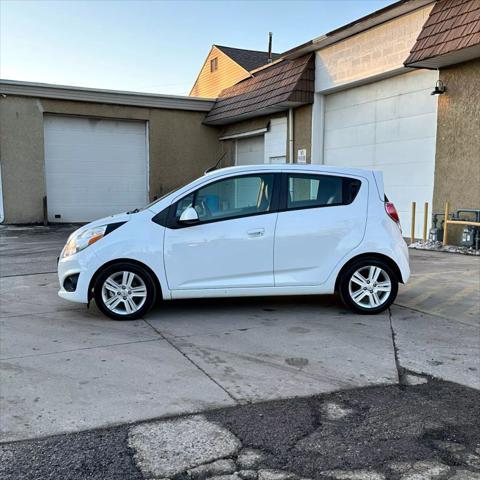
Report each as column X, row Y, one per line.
column 124, row 291
column 368, row 286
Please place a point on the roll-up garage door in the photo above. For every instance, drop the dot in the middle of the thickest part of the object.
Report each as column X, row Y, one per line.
column 94, row 167
column 388, row 125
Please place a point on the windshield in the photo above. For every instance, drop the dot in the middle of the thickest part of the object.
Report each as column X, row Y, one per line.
column 146, row 207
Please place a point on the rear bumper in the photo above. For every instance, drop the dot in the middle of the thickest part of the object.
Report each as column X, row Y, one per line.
column 403, row 262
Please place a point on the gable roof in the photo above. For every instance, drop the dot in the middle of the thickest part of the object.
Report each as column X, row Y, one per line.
column 281, row 85
column 248, row 59
column 450, row 35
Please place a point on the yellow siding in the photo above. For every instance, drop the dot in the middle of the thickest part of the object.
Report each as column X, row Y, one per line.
column 210, row 84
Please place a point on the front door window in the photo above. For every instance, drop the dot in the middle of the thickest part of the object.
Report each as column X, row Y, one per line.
column 230, row 198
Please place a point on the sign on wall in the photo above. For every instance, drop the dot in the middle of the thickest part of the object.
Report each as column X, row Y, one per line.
column 302, row 155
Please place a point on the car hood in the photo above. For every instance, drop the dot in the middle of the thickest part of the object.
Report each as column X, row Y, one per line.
column 119, row 217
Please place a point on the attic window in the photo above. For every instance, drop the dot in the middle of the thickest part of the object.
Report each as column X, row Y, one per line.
column 213, row 64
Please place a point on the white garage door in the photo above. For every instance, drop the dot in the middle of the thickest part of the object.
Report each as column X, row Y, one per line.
column 94, row 167
column 276, row 141
column 250, row 151
column 270, row 147
column 390, row 126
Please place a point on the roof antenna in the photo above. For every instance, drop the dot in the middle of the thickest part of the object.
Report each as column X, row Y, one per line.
column 269, row 47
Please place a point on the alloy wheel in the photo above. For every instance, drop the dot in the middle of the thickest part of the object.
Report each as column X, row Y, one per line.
column 124, row 293
column 370, row 286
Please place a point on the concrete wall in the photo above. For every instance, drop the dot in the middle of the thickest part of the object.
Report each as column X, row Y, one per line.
column 180, row 148
column 375, row 51
column 457, row 166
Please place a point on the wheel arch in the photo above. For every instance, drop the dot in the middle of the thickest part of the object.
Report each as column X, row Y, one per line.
column 158, row 286
column 379, row 256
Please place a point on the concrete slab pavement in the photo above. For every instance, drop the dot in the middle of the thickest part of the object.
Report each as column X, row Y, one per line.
column 56, row 332
column 268, row 349
column 66, row 368
column 93, row 387
column 31, row 249
column 444, row 285
column 437, row 346
column 32, row 294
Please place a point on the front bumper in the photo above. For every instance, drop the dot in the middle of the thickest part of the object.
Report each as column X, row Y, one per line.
column 85, row 264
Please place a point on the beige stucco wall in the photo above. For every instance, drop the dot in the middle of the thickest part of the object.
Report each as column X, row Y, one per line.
column 302, row 131
column 375, row 51
column 457, row 163
column 180, row 148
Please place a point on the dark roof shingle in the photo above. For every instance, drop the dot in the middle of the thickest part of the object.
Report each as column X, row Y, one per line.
column 286, row 81
column 452, row 25
column 248, row 59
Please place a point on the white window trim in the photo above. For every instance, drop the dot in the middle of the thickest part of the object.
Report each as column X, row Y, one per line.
column 252, row 133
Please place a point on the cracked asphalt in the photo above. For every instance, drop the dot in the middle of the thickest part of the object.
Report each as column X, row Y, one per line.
column 74, row 384
column 371, row 433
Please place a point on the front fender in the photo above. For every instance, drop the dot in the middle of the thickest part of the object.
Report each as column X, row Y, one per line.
column 140, row 240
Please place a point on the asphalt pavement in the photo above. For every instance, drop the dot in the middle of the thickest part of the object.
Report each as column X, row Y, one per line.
column 428, row 431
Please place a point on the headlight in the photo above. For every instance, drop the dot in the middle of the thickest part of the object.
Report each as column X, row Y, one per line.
column 81, row 240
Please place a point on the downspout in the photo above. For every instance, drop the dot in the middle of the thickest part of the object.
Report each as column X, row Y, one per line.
column 290, row 135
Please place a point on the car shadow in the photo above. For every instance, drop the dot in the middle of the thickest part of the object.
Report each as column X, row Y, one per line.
column 218, row 305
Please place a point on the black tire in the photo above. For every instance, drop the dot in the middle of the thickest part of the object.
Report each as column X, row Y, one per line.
column 363, row 265
column 141, row 274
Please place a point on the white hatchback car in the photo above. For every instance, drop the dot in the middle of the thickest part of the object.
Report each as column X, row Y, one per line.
column 244, row 231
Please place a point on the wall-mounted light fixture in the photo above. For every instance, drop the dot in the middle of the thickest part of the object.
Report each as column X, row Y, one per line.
column 439, row 89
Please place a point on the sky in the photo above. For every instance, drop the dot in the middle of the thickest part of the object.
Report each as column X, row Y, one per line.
column 151, row 46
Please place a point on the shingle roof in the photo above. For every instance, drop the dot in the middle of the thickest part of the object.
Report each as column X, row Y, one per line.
column 248, row 59
column 283, row 84
column 453, row 25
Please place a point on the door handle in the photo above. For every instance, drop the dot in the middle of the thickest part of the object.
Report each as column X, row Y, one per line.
column 256, row 232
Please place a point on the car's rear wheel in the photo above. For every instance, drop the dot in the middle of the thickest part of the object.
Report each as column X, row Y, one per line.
column 124, row 291
column 368, row 286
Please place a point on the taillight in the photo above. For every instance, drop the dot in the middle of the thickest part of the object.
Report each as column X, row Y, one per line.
column 392, row 212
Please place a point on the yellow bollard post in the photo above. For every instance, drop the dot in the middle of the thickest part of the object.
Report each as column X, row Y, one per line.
column 425, row 221
column 412, row 233
column 445, row 225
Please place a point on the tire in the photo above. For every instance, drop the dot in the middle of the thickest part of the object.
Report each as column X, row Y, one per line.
column 124, row 291
column 368, row 286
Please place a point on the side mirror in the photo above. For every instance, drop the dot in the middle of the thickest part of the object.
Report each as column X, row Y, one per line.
column 188, row 216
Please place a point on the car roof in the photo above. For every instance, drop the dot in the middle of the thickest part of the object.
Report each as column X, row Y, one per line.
column 295, row 167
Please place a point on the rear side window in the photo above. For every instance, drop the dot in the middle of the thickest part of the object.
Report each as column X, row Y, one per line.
column 311, row 191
